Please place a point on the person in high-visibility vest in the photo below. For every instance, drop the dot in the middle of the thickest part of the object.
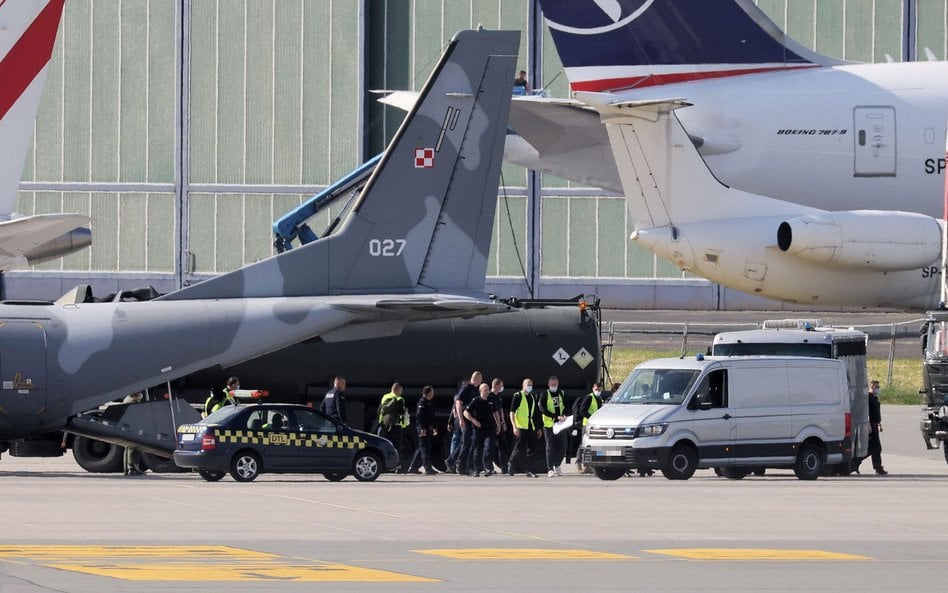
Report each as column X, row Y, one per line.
column 525, row 419
column 552, row 404
column 393, row 419
column 225, row 397
column 588, row 406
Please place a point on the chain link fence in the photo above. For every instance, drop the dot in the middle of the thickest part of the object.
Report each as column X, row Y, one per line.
column 885, row 340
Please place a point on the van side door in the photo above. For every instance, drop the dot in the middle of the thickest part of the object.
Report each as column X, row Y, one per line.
column 713, row 422
column 761, row 406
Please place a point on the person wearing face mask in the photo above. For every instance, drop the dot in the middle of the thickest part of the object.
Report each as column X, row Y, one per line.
column 586, row 408
column 525, row 419
column 553, row 407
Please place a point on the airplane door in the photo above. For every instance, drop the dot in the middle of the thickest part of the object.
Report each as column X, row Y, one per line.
column 22, row 372
column 875, row 150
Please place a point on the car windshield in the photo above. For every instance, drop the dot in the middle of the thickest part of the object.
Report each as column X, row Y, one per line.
column 223, row 415
column 656, row 386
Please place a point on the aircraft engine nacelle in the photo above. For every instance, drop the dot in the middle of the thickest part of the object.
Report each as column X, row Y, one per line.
column 867, row 239
column 65, row 244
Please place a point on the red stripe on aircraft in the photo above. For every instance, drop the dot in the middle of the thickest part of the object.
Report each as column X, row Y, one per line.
column 618, row 84
column 29, row 55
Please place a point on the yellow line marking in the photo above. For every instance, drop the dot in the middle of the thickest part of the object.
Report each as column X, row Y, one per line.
column 755, row 554
column 523, row 554
column 137, row 552
column 243, row 572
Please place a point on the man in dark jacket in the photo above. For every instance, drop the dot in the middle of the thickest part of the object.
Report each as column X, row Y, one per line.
column 875, row 427
column 426, row 425
column 334, row 404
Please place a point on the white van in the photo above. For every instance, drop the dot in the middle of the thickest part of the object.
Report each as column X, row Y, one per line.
column 680, row 414
column 799, row 337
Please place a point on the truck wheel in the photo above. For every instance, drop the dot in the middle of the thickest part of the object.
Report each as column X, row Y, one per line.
column 97, row 456
column 605, row 473
column 682, row 462
column 160, row 465
column 335, row 476
column 734, row 473
column 366, row 466
column 809, row 464
column 212, row 475
column 245, row 466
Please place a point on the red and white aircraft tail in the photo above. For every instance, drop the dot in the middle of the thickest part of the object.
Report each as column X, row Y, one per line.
column 27, row 35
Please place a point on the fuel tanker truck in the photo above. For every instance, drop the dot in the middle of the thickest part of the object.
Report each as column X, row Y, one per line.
column 537, row 340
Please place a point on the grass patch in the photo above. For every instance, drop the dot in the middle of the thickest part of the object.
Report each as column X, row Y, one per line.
column 906, row 373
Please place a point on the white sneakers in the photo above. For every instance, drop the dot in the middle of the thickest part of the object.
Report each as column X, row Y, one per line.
column 551, row 474
column 556, row 471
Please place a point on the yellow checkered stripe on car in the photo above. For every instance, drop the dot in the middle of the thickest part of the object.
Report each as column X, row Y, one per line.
column 260, row 437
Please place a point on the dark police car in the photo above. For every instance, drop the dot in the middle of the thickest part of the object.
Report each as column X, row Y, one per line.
column 280, row 438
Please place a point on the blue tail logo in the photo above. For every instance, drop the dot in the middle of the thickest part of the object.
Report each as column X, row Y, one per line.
column 608, row 45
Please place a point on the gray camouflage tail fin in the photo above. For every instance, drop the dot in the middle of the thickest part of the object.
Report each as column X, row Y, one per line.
column 423, row 221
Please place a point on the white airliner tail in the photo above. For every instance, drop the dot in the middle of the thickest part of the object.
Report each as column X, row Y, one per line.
column 27, row 35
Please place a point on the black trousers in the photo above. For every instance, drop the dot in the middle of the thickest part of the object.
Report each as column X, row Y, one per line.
column 483, row 444
column 422, row 457
column 525, row 449
column 875, row 450
column 555, row 446
column 394, row 433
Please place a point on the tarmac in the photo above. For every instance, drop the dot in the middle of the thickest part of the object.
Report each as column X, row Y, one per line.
column 68, row 531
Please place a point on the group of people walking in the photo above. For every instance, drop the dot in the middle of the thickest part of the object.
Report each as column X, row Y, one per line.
column 489, row 431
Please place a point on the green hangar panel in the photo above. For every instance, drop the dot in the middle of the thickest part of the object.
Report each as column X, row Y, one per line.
column 184, row 128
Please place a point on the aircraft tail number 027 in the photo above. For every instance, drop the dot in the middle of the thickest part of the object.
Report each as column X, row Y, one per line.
column 386, row 247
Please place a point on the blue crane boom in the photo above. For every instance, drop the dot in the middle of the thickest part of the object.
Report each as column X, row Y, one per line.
column 292, row 225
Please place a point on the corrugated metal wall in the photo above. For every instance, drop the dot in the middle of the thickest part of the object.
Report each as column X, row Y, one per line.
column 227, row 113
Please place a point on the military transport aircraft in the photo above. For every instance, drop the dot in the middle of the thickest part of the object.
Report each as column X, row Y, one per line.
column 27, row 35
column 414, row 245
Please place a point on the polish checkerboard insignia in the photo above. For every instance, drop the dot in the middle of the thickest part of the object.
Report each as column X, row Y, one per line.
column 424, row 158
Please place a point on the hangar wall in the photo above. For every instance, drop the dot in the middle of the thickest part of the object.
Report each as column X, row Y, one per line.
column 185, row 127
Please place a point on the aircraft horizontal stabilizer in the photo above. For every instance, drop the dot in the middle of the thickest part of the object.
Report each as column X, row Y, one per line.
column 25, row 240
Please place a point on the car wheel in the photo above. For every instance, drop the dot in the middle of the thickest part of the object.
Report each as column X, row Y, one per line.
column 212, row 475
column 809, row 464
column 98, row 456
column 759, row 471
column 734, row 473
column 682, row 463
column 335, row 476
column 366, row 466
column 245, row 466
column 605, row 473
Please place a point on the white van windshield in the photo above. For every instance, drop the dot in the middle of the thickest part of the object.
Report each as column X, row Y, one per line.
column 656, row 386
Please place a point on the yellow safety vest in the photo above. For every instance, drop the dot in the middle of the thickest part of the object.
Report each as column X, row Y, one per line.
column 403, row 421
column 552, row 406
column 523, row 414
column 593, row 406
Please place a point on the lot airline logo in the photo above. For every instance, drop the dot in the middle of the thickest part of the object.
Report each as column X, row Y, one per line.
column 596, row 16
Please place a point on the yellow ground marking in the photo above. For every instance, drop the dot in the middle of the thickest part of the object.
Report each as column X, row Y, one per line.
column 137, row 552
column 755, row 554
column 243, row 572
column 523, row 554
column 194, row 563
